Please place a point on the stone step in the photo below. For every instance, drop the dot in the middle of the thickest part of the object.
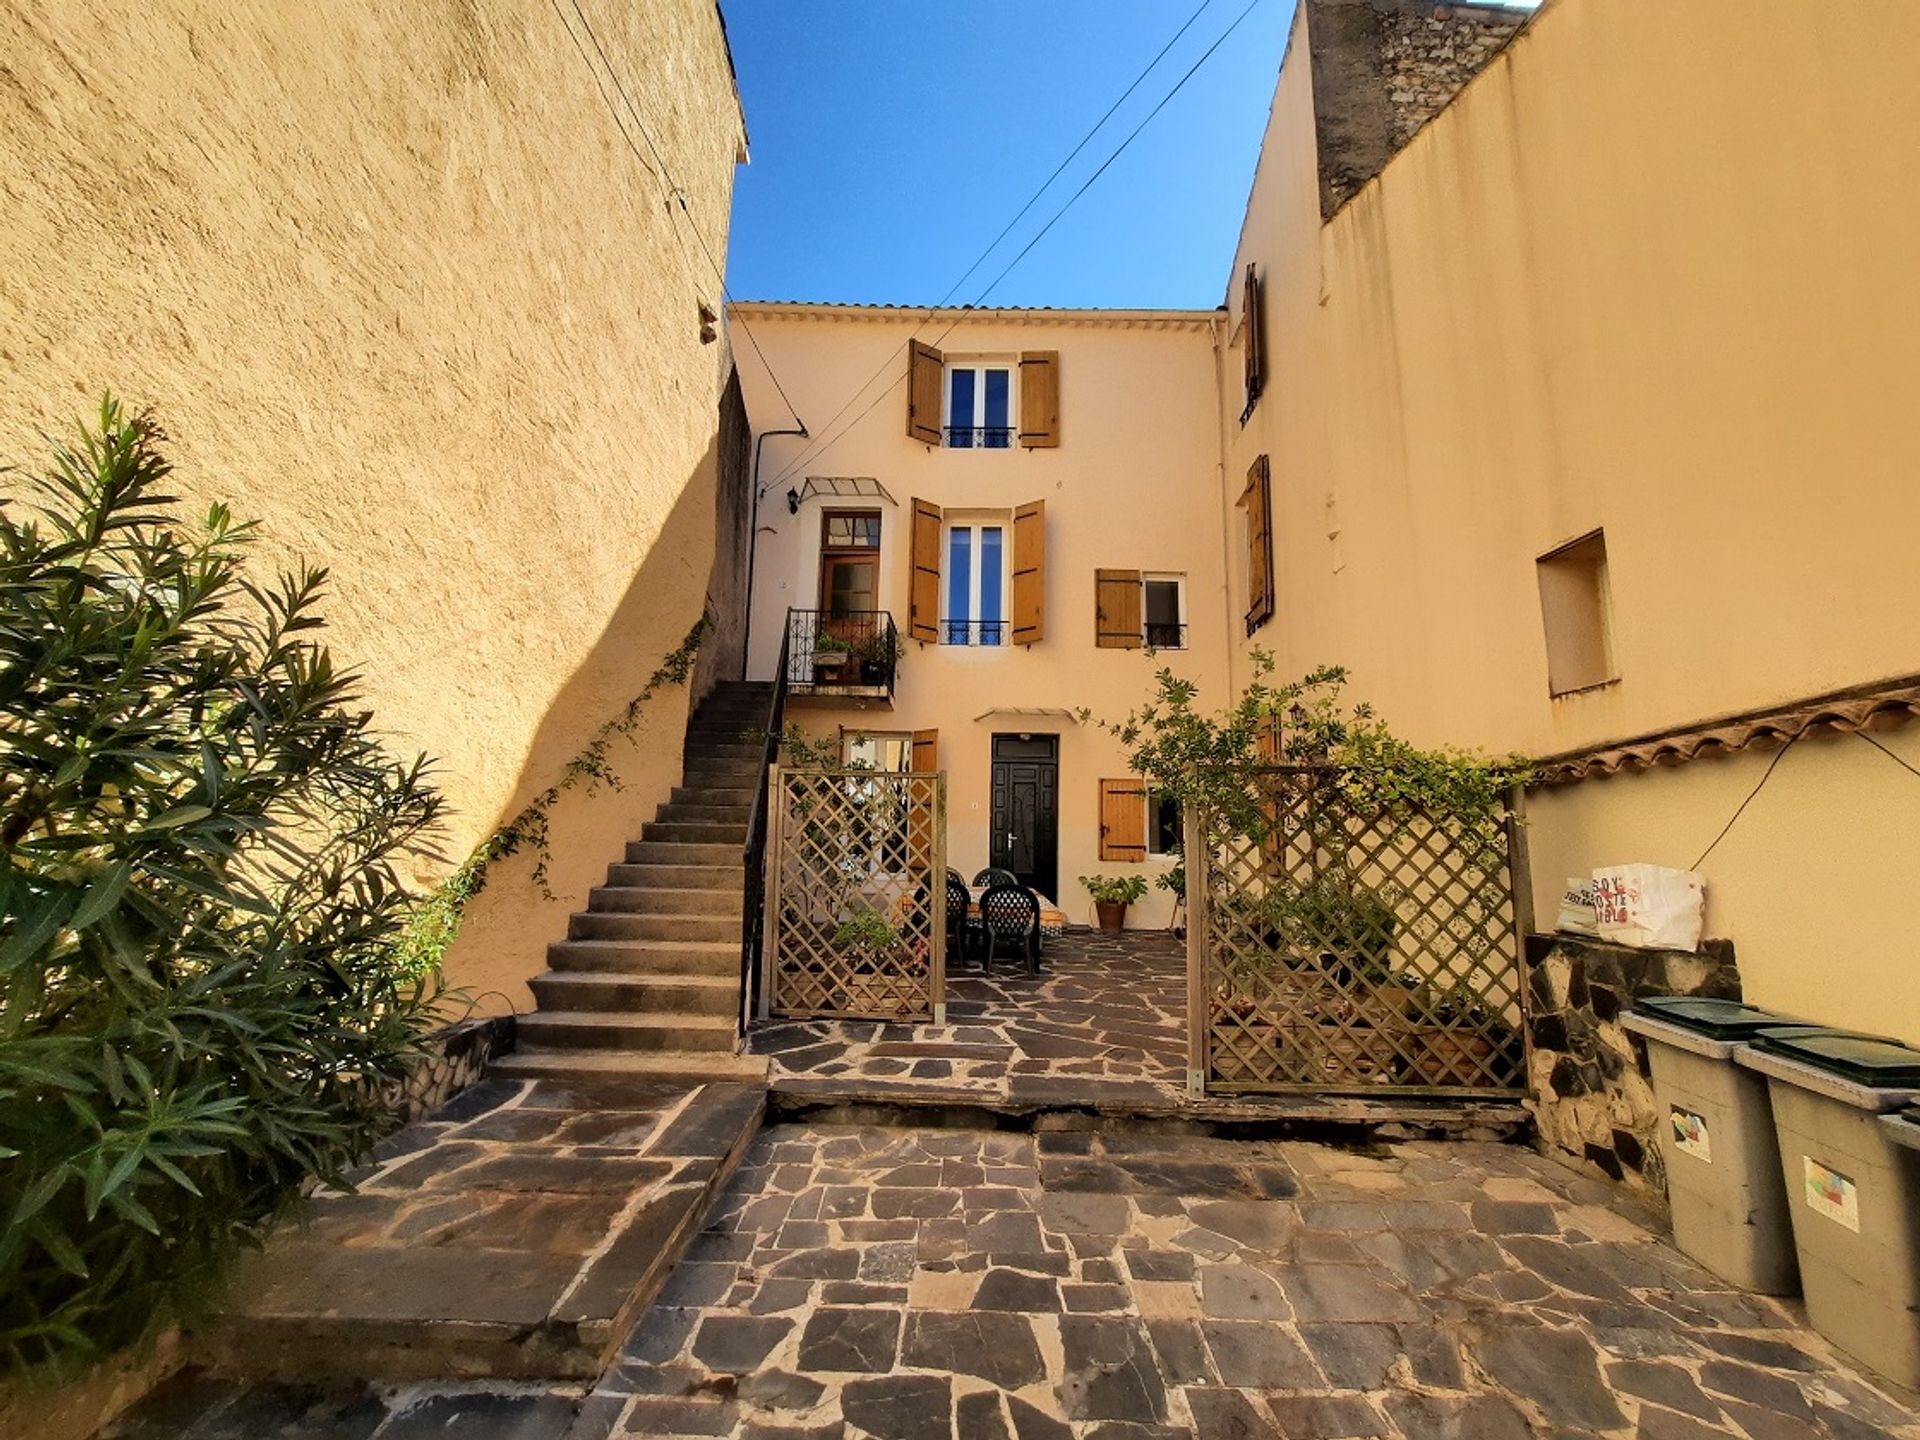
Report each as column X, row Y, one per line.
column 667, row 1067
column 697, row 832
column 639, row 1030
column 574, row 991
column 719, row 958
column 681, row 812
column 680, row 877
column 732, row 775
column 654, row 900
column 683, row 852
column 740, row 795
column 610, row 925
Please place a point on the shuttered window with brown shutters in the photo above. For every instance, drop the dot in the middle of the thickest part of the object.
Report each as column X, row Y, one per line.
column 1257, row 501
column 923, row 592
column 926, row 751
column 1267, row 741
column 926, row 368
column 1116, row 609
column 1040, row 399
column 1029, row 573
column 1253, row 322
column 1123, row 819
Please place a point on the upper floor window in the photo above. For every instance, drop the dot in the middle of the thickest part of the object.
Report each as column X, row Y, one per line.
column 1131, row 609
column 1575, row 608
column 979, row 405
column 976, row 583
column 1165, row 606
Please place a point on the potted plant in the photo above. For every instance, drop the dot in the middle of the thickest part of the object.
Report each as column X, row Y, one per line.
column 1111, row 896
column 1454, row 1035
column 876, row 963
column 878, row 653
column 830, row 652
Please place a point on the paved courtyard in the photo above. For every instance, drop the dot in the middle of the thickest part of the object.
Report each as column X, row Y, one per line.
column 924, row 1284
column 1105, row 1017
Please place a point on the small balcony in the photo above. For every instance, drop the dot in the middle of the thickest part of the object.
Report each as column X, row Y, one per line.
column 846, row 656
column 979, row 437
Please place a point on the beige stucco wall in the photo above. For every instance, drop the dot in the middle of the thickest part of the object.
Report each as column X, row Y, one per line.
column 1648, row 272
column 398, row 288
column 1131, row 486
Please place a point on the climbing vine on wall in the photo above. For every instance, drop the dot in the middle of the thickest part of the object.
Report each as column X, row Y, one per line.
column 436, row 920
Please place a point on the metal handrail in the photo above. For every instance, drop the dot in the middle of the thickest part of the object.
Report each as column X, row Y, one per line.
column 753, row 910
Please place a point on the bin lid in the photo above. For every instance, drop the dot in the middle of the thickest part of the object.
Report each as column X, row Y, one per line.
column 1864, row 1059
column 1716, row 1019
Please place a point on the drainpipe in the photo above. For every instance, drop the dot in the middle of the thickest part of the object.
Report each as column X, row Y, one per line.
column 753, row 534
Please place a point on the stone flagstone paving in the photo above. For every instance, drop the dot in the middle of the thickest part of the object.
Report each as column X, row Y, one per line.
column 928, row 1284
column 1106, row 1016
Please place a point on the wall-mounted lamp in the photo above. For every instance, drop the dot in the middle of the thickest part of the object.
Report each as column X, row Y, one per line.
column 793, row 501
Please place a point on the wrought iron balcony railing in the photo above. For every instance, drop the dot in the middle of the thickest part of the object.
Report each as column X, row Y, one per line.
column 1165, row 635
column 973, row 632
column 979, row 437
column 841, row 649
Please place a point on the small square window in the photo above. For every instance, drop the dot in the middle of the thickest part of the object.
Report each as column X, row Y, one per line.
column 1164, row 612
column 1163, row 824
column 1574, row 608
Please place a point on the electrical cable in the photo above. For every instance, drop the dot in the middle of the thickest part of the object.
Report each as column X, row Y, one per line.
column 677, row 195
column 1745, row 803
column 1902, row 763
column 827, row 436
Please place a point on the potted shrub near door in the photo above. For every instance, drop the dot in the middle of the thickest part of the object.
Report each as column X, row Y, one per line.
column 1112, row 896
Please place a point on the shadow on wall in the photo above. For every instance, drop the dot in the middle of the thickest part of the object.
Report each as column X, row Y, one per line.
column 503, row 937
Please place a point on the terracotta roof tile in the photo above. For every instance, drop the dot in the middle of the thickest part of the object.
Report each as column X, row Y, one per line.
column 1879, row 708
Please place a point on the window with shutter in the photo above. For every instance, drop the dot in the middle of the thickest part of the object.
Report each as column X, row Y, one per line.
column 1123, row 819
column 1040, row 399
column 925, row 373
column 1030, row 572
column 923, row 593
column 1253, row 316
column 1256, row 501
column 1116, row 609
column 926, row 750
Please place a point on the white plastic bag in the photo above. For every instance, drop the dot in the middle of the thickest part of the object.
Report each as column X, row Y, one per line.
column 1649, row 907
column 1577, row 915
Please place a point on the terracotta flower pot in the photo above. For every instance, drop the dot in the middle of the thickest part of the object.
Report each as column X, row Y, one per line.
column 1112, row 914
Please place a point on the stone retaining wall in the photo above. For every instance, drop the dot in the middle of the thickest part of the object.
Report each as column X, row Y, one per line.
column 1586, row 1075
column 460, row 1055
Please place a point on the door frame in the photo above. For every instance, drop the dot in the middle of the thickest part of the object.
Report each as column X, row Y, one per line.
column 1045, row 877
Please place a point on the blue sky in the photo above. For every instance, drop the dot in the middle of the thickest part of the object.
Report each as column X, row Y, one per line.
column 892, row 139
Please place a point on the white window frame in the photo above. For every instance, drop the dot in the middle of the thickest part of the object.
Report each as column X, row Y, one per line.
column 1178, row 580
column 979, row 364
column 976, row 521
column 853, row 737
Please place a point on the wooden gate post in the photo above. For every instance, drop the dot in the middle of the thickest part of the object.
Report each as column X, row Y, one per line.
column 1194, row 853
column 1520, row 884
column 937, row 884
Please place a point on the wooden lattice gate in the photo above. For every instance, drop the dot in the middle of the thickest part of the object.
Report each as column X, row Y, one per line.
column 856, row 905
column 1345, row 945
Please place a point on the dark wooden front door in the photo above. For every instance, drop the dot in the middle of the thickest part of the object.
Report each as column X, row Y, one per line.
column 1026, row 810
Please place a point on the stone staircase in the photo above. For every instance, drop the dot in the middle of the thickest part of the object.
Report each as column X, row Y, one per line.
column 647, row 983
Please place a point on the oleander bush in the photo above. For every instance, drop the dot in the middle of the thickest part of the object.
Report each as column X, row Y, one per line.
column 201, row 1002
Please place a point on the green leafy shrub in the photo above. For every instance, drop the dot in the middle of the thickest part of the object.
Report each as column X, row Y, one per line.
column 1115, row 890
column 201, row 1004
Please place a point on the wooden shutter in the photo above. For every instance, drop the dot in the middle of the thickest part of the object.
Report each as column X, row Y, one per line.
column 923, row 592
column 1116, row 609
column 1040, row 399
column 1267, row 742
column 1123, row 820
column 926, row 367
column 920, row 810
column 1253, row 317
column 1030, row 572
column 1257, row 501
column 926, row 751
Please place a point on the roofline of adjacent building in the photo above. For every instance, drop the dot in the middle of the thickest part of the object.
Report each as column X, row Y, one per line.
column 1011, row 315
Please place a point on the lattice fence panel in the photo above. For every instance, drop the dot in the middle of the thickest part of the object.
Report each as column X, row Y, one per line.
column 856, row 907
column 1347, row 945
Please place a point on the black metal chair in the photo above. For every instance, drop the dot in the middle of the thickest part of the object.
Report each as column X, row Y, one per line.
column 991, row 876
column 1010, row 920
column 963, row 931
column 954, row 877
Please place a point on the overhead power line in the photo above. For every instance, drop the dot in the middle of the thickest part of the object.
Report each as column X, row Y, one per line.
column 659, row 167
column 829, row 437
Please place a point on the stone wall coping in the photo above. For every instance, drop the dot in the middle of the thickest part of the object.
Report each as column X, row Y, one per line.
column 1902, row 1131
column 1820, row 1082
column 1679, row 1037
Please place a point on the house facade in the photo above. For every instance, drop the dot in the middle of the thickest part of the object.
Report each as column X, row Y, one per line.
column 1559, row 393
column 1029, row 505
